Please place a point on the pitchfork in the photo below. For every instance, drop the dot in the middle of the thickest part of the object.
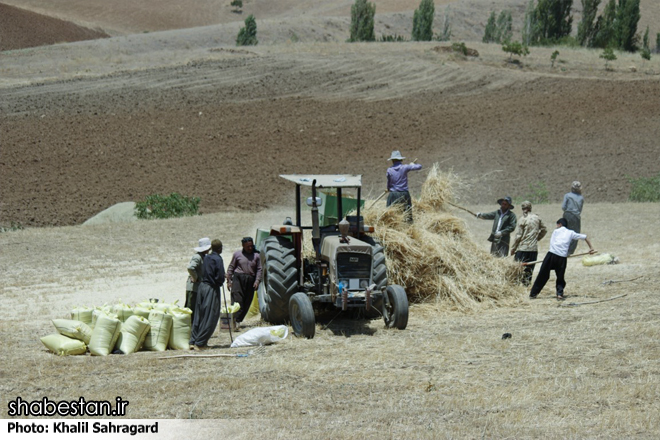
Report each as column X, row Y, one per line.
column 256, row 351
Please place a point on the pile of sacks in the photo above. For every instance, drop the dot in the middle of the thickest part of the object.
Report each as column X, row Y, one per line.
column 120, row 328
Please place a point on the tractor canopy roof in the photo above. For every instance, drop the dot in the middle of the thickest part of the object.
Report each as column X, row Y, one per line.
column 326, row 180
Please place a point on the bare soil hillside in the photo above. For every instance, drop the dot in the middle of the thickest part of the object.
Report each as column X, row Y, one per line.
column 224, row 124
column 17, row 29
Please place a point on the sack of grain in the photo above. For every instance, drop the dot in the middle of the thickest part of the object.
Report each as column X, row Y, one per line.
column 132, row 334
column 103, row 310
column 159, row 334
column 83, row 314
column 105, row 334
column 73, row 329
column 123, row 311
column 64, row 346
column 181, row 325
column 594, row 260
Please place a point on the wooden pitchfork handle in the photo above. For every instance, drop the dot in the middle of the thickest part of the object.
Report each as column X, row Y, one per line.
column 460, row 207
column 570, row 256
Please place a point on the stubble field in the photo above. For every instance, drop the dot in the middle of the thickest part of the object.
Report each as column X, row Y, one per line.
column 89, row 124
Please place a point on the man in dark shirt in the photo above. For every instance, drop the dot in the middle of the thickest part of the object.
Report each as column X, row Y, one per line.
column 207, row 308
column 243, row 276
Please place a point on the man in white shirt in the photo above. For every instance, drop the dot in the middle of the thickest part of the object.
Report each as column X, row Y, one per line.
column 556, row 258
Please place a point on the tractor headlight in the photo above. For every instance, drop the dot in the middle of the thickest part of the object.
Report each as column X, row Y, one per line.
column 364, row 284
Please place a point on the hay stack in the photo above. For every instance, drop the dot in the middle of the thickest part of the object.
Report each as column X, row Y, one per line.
column 435, row 259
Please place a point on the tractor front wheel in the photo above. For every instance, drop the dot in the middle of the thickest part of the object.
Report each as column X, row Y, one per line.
column 301, row 314
column 395, row 308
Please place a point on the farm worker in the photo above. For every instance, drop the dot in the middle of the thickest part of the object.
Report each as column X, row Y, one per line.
column 504, row 223
column 572, row 207
column 196, row 272
column 397, row 183
column 207, row 308
column 525, row 246
column 556, row 258
column 243, row 276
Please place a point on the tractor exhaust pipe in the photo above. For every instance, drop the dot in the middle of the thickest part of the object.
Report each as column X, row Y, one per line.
column 316, row 232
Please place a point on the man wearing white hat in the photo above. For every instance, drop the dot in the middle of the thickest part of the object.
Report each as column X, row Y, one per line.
column 572, row 207
column 397, row 183
column 196, row 271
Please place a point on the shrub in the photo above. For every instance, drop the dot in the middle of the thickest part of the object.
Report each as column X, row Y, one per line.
column 645, row 189
column 423, row 21
column 159, row 206
column 608, row 55
column 237, row 5
column 459, row 48
column 14, row 226
column 515, row 48
column 247, row 36
column 362, row 21
column 553, row 58
column 392, row 38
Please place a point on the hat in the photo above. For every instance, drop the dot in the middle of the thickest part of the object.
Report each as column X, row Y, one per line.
column 204, row 245
column 506, row 199
column 396, row 155
column 576, row 185
column 526, row 205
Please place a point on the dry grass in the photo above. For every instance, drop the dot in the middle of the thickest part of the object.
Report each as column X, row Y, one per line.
column 435, row 258
column 568, row 372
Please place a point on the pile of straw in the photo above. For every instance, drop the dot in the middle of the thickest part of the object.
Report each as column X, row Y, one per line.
column 435, row 259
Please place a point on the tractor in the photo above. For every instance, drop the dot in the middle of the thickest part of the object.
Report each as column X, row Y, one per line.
column 345, row 271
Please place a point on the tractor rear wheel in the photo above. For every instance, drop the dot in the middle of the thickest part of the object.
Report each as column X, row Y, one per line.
column 301, row 314
column 396, row 313
column 280, row 279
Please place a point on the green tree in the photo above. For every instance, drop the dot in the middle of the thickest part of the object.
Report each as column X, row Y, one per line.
column 362, row 21
column 553, row 21
column 603, row 34
column 608, row 55
column 504, row 27
column 529, row 25
column 645, row 39
column 247, row 36
column 657, row 42
column 588, row 23
column 490, row 32
column 446, row 27
column 515, row 48
column 627, row 18
column 423, row 21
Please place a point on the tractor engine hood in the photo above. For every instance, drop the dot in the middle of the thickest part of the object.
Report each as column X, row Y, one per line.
column 332, row 247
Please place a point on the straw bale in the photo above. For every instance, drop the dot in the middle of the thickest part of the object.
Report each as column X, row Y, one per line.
column 435, row 259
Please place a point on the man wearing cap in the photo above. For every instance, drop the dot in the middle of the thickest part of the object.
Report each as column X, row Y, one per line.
column 504, row 223
column 572, row 207
column 243, row 276
column 397, row 183
column 196, row 272
column 525, row 246
column 556, row 258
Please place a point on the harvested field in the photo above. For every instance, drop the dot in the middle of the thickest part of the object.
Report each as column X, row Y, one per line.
column 170, row 104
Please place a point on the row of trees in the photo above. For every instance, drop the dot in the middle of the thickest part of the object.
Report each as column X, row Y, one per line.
column 546, row 22
column 551, row 22
column 362, row 23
